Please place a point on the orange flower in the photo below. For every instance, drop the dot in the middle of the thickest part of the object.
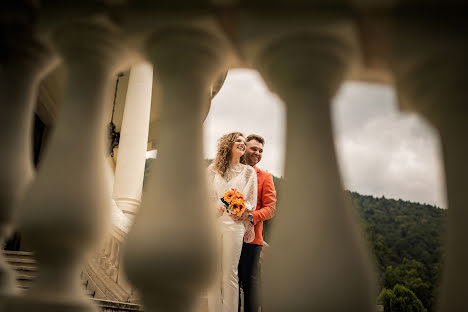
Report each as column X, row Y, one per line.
column 237, row 206
column 239, row 196
column 229, row 196
column 234, row 202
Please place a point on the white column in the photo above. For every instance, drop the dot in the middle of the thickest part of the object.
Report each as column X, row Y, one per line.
column 65, row 212
column 130, row 168
column 318, row 254
column 169, row 253
column 427, row 63
column 23, row 65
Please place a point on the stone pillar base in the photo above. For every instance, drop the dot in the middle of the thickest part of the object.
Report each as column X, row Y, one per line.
column 129, row 206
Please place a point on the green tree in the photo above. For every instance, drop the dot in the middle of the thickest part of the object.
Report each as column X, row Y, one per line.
column 400, row 299
column 411, row 274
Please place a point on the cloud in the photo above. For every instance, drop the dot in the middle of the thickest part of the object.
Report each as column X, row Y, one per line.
column 380, row 151
column 384, row 152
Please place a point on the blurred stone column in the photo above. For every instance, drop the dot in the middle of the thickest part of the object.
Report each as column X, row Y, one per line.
column 130, row 168
column 169, row 253
column 26, row 59
column 317, row 253
column 427, row 60
column 65, row 211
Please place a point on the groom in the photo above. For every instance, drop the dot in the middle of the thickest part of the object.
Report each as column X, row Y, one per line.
column 266, row 205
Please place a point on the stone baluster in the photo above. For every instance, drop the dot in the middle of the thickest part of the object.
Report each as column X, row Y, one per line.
column 112, row 271
column 317, row 254
column 169, row 253
column 115, row 273
column 66, row 209
column 26, row 60
column 112, row 256
column 430, row 80
column 130, row 169
column 105, row 253
column 109, row 255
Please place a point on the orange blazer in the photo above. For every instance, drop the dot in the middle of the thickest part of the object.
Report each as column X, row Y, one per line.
column 266, row 204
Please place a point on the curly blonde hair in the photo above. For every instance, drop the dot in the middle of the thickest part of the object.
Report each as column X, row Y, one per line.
column 223, row 156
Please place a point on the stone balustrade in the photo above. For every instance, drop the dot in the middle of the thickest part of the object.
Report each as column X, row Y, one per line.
column 304, row 51
column 105, row 271
column 110, row 258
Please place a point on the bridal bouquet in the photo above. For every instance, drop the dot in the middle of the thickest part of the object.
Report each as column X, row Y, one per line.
column 234, row 202
column 235, row 205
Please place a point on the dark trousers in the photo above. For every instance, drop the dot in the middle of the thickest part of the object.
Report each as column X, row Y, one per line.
column 249, row 276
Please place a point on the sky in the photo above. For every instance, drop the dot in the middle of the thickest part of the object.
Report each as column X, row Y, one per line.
column 381, row 151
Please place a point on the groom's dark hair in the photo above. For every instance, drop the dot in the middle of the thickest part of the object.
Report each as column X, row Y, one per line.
column 255, row 137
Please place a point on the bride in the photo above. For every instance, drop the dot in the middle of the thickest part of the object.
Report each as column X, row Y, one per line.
column 229, row 171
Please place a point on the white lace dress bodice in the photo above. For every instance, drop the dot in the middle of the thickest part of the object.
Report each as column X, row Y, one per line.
column 240, row 177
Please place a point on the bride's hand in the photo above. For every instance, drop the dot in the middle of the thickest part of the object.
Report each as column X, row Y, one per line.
column 220, row 211
column 234, row 217
column 242, row 217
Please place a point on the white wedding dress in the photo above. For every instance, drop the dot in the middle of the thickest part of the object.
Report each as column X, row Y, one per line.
column 223, row 295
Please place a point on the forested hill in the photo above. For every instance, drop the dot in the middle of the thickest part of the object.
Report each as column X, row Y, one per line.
column 406, row 229
column 407, row 240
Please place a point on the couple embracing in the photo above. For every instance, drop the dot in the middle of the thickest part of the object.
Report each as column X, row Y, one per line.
column 240, row 231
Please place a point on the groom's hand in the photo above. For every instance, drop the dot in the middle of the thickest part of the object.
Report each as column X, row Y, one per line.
column 244, row 216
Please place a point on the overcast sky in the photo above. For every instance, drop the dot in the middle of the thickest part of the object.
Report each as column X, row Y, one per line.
column 380, row 150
